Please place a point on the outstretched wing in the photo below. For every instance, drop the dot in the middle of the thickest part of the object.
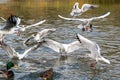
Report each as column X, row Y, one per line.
column 38, row 23
column 27, row 40
column 99, row 17
column 86, row 43
column 73, row 46
column 10, row 50
column 40, row 35
column 86, row 7
column 93, row 48
column 82, row 20
column 3, row 19
column 12, row 53
column 71, row 19
column 12, row 22
column 43, row 33
column 56, row 46
column 29, row 26
column 28, row 51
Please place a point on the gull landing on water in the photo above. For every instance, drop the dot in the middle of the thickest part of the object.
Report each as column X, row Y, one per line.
column 40, row 35
column 93, row 48
column 13, row 54
column 76, row 11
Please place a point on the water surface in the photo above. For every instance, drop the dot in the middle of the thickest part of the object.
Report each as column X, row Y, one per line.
column 74, row 67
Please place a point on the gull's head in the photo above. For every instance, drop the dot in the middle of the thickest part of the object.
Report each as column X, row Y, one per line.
column 76, row 5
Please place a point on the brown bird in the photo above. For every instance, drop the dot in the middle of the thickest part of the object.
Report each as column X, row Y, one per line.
column 47, row 75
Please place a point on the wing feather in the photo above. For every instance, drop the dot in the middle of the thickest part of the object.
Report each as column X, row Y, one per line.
column 71, row 19
column 99, row 17
column 56, row 46
column 82, row 20
column 10, row 50
column 43, row 33
column 73, row 46
column 38, row 23
column 86, row 7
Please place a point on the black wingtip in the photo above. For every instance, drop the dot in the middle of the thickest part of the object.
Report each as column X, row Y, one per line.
column 78, row 38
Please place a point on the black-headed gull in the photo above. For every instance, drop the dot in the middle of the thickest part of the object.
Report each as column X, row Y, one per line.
column 76, row 11
column 10, row 27
column 13, row 54
column 40, row 35
column 93, row 48
column 85, row 23
column 60, row 47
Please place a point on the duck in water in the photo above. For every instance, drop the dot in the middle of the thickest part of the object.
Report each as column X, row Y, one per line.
column 8, row 73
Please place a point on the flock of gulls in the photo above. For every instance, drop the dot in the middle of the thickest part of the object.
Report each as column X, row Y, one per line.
column 12, row 26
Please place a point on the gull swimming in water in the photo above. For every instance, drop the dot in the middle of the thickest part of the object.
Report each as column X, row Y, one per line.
column 13, row 54
column 10, row 26
column 40, row 35
column 76, row 11
column 93, row 48
column 61, row 48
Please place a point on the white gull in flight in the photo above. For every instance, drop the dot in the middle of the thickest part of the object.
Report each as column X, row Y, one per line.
column 93, row 48
column 76, row 11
